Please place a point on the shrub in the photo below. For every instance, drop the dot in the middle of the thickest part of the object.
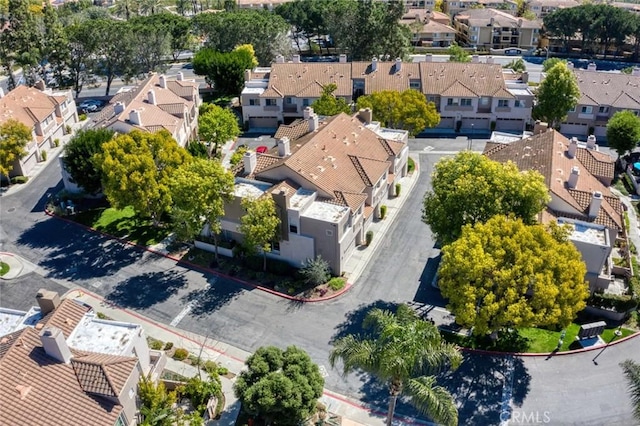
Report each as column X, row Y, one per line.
column 195, row 360
column 336, row 283
column 211, row 367
column 411, row 165
column 43, row 154
column 156, row 345
column 493, row 126
column 383, row 211
column 369, row 237
column 236, row 157
column 315, row 271
column 168, row 346
column 101, row 315
column 82, row 117
column 67, row 129
column 180, row 354
column 56, row 142
column 398, row 189
column 19, row 179
column 612, row 302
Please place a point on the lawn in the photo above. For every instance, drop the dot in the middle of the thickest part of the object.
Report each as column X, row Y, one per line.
column 123, row 224
column 532, row 340
column 4, row 268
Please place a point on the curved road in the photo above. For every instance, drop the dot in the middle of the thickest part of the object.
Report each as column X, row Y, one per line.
column 562, row 390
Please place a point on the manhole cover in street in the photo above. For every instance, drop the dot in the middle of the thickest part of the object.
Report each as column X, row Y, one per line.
column 12, row 209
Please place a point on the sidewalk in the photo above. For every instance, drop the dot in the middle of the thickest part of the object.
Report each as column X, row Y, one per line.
column 353, row 412
column 52, row 155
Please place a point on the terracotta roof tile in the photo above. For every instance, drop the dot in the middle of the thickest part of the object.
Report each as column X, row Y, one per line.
column 289, row 79
column 26, row 104
column 103, row 374
column 387, row 76
column 483, row 17
column 617, row 90
column 351, row 200
column 293, row 131
column 480, row 79
column 598, row 163
column 66, row 316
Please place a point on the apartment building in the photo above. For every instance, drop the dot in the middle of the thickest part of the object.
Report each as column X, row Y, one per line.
column 430, row 29
column 490, row 29
column 454, row 7
column 60, row 364
column 542, row 8
column 328, row 178
column 155, row 104
column 469, row 96
column 46, row 112
column 602, row 94
column 578, row 176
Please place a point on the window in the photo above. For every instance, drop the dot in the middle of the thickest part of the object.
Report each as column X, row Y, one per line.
column 271, row 102
column 414, row 84
column 465, row 102
column 603, row 110
column 306, row 102
column 503, row 103
column 254, row 102
column 586, row 110
column 431, row 98
column 293, row 228
column 449, row 101
column 288, row 100
column 519, row 104
column 484, row 101
column 572, row 109
column 329, row 232
column 474, row 29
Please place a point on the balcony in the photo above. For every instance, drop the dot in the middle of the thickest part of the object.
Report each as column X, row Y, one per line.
column 458, row 108
column 586, row 116
column 484, row 109
column 272, row 108
column 290, row 108
column 503, row 109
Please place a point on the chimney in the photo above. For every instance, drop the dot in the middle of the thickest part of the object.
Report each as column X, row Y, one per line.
column 635, row 72
column 314, row 122
column 118, row 107
column 594, row 205
column 573, row 147
column 247, row 75
column 366, row 115
column 398, row 64
column 41, row 85
column 284, row 147
column 343, row 58
column 180, row 76
column 250, row 160
column 1, row 93
column 428, row 57
column 374, row 64
column 163, row 81
column 47, row 300
column 55, row 345
column 296, row 59
column 134, row 117
column 540, row 127
column 475, row 59
column 490, row 60
column 591, row 66
column 591, row 142
column 279, row 59
column 151, row 97
column 524, row 77
column 308, row 112
column 573, row 177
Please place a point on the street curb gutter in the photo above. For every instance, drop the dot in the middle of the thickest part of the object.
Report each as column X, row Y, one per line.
column 339, row 293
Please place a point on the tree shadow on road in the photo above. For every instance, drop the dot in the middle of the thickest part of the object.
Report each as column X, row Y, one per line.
column 354, row 319
column 481, row 383
column 44, row 199
column 207, row 300
column 426, row 292
column 71, row 252
column 145, row 290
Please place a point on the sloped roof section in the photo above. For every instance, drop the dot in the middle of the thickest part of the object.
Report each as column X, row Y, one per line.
column 103, row 375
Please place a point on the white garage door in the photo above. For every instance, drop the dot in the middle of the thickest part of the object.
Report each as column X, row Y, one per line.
column 509, row 125
column 478, row 124
column 446, row 123
column 574, row 129
column 600, row 131
column 28, row 163
column 263, row 122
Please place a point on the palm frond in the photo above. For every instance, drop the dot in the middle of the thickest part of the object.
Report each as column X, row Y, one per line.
column 631, row 371
column 354, row 354
column 431, row 400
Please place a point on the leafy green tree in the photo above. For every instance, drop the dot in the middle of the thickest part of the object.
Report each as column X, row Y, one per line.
column 136, row 169
column 505, row 274
column 224, row 70
column 115, row 49
column 14, row 137
column 79, row 156
column 470, row 188
column 328, row 104
column 199, row 391
column 249, row 51
column 404, row 352
column 517, row 65
column 281, row 387
column 217, row 125
column 259, row 225
column 156, row 404
column 55, row 47
column 126, row 8
column 557, row 94
column 316, row 271
column 458, row 54
column 200, row 188
column 82, row 45
column 631, row 370
column 551, row 62
column 623, row 131
column 408, row 110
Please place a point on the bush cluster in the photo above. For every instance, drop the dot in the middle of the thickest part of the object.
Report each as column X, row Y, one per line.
column 180, row 354
column 336, row 283
column 614, row 302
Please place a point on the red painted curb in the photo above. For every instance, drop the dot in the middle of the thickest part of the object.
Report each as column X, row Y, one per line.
column 547, row 354
column 205, row 269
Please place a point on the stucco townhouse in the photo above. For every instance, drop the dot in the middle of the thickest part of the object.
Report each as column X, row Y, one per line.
column 430, row 29
column 469, row 96
column 542, row 8
column 45, row 112
column 328, row 178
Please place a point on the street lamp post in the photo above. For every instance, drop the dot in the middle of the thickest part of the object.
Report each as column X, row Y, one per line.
column 470, row 138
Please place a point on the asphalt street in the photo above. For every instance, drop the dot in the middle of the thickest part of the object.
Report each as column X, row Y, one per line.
column 568, row 389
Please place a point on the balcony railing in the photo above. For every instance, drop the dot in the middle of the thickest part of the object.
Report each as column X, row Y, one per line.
column 458, row 108
column 503, row 109
column 290, row 108
column 272, row 108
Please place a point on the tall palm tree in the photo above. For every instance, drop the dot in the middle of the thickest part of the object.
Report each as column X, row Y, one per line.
column 631, row 370
column 404, row 351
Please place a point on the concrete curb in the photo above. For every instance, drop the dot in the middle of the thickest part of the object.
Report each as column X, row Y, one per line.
column 205, row 269
column 13, row 264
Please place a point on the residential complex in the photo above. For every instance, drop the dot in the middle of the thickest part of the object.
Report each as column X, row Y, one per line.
column 578, row 177
column 328, row 178
column 469, row 96
column 47, row 113
column 453, row 7
column 542, row 8
column 429, row 29
column 155, row 104
column 489, row 29
column 602, row 94
column 61, row 364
